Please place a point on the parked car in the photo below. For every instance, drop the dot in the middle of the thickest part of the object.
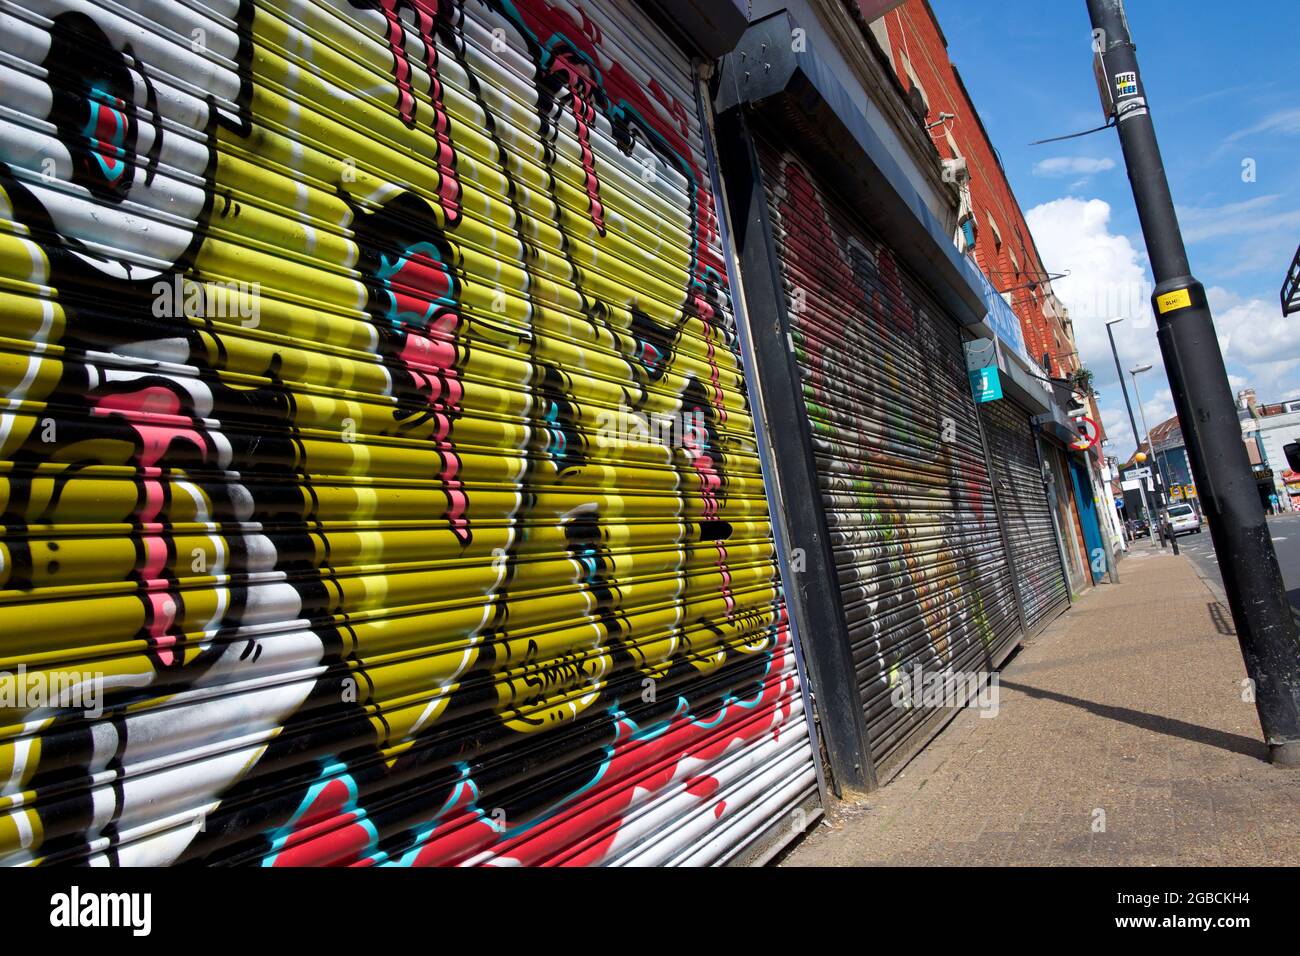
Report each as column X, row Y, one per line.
column 1181, row 519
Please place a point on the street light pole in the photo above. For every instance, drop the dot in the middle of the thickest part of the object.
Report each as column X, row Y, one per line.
column 1120, row 372
column 1142, row 491
column 1198, row 380
column 1162, row 495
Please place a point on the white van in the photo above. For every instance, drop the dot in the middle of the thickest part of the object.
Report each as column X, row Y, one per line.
column 1182, row 519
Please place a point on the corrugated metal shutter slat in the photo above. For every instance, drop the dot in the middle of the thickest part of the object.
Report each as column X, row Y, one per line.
column 1030, row 532
column 359, row 543
column 923, row 577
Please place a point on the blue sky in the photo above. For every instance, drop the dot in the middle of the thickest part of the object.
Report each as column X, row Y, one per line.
column 1224, row 89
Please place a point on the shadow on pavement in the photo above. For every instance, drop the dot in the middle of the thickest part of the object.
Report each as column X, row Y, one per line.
column 1222, row 620
column 1234, row 743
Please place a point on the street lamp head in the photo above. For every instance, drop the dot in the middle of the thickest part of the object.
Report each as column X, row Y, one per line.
column 1138, row 369
column 1115, row 321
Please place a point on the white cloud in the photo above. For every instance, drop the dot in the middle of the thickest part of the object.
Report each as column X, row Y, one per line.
column 1284, row 121
column 1261, row 348
column 1115, row 420
column 1263, row 257
column 1072, row 166
column 1251, row 217
column 1252, row 331
column 1159, row 407
column 1107, row 280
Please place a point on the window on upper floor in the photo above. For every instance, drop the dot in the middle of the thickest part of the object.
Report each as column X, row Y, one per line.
column 917, row 101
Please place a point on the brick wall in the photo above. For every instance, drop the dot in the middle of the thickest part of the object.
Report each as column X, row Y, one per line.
column 1004, row 248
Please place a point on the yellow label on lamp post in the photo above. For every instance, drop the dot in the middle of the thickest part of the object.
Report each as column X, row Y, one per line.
column 1178, row 299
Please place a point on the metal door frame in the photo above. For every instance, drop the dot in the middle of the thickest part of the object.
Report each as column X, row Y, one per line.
column 813, row 594
column 1049, row 486
column 766, row 455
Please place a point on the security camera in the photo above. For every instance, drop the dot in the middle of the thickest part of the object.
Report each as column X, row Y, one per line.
column 955, row 170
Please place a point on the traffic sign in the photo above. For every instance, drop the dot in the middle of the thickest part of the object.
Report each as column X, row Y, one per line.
column 1088, row 434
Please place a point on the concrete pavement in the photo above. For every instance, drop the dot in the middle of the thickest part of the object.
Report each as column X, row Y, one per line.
column 1122, row 738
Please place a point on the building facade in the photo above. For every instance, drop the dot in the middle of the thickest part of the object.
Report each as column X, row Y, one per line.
column 991, row 224
column 1278, row 426
column 1171, row 452
column 993, row 232
column 470, row 434
column 1266, row 430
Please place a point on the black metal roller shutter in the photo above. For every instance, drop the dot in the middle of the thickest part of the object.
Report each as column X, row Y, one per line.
column 1026, row 510
column 909, row 505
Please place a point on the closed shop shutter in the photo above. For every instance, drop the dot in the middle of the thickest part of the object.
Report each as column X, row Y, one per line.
column 1067, row 514
column 1094, row 547
column 377, row 456
column 909, row 505
column 1025, row 509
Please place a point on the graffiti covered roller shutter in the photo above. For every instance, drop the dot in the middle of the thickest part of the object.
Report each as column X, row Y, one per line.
column 1026, row 510
column 376, row 442
column 908, row 502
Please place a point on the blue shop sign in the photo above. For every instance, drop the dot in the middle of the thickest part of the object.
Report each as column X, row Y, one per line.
column 986, row 383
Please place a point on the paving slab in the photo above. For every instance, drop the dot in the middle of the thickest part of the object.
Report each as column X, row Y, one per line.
column 1123, row 737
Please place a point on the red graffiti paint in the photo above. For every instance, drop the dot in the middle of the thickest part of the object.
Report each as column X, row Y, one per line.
column 898, row 306
column 584, row 832
column 666, row 117
column 425, row 13
column 327, row 834
column 418, row 283
column 822, row 273
column 154, row 413
column 581, row 92
column 641, row 766
column 702, row 787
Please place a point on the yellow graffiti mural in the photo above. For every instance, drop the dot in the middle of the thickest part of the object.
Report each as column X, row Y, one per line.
column 321, row 327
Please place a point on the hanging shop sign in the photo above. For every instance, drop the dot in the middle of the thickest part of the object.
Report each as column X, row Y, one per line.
column 986, row 384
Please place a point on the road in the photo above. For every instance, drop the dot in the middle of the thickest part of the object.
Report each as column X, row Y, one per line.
column 1285, row 529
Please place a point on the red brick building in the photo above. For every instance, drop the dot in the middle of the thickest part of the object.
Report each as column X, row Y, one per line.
column 994, row 231
column 991, row 225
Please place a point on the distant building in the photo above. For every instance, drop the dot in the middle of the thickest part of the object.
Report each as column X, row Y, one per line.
column 1265, row 431
column 1279, row 426
column 1171, row 452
